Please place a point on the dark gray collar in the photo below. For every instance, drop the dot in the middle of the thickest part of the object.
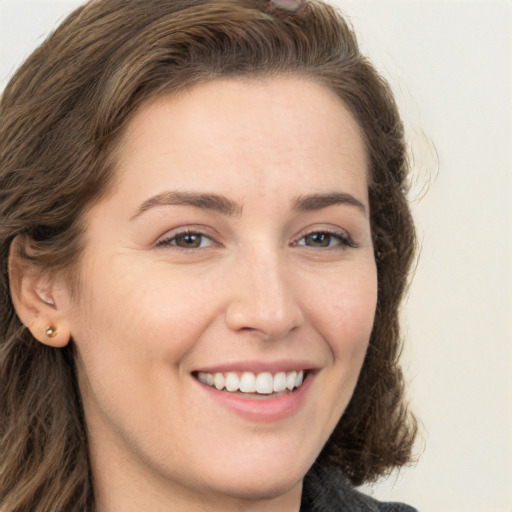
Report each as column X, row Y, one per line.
column 328, row 491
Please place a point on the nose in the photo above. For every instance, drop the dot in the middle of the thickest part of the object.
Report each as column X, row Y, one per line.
column 263, row 299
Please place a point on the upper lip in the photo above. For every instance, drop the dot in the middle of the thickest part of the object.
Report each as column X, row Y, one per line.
column 258, row 366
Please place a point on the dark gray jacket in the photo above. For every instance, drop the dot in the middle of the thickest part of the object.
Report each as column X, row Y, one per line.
column 325, row 491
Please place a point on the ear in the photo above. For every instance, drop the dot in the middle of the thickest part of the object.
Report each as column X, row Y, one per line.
column 42, row 303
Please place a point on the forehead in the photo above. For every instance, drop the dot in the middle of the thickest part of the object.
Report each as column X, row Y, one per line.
column 232, row 129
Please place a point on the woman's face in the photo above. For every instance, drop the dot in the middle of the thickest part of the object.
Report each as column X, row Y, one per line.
column 235, row 250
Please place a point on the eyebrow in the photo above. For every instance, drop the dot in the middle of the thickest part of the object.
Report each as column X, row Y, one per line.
column 313, row 202
column 213, row 202
column 226, row 206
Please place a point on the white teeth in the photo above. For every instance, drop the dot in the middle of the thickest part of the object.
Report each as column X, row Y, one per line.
column 206, row 378
column 299, row 379
column 263, row 383
column 219, row 381
column 248, row 383
column 290, row 380
column 279, row 382
column 232, row 382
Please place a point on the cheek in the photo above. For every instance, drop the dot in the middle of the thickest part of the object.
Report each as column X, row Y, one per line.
column 346, row 312
column 129, row 331
column 343, row 315
column 134, row 316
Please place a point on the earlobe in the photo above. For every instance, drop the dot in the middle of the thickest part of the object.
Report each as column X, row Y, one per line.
column 54, row 336
column 34, row 299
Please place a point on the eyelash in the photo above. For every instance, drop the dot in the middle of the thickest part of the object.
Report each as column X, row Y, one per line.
column 344, row 240
column 171, row 240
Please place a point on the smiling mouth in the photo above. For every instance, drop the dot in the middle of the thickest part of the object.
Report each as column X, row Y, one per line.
column 264, row 384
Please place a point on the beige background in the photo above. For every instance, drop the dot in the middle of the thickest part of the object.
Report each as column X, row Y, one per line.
column 450, row 63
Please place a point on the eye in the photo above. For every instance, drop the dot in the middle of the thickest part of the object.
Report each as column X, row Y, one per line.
column 325, row 240
column 187, row 240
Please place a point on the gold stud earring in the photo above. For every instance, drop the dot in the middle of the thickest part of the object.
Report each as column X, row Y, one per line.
column 51, row 331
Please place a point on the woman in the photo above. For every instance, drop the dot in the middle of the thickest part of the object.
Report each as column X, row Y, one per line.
column 205, row 240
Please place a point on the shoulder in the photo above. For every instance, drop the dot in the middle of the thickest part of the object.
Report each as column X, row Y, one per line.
column 328, row 491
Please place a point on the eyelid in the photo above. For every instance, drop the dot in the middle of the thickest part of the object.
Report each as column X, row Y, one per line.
column 346, row 241
column 165, row 240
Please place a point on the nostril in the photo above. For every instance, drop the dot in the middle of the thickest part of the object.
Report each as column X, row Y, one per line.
column 270, row 320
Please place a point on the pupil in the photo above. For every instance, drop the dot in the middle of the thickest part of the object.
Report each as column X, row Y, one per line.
column 189, row 240
column 318, row 239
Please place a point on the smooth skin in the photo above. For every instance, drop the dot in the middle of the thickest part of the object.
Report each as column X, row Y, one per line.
column 237, row 233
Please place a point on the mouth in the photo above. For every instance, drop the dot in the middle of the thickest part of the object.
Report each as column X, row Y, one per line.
column 254, row 385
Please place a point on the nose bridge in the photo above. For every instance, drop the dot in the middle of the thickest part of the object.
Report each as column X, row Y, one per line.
column 263, row 298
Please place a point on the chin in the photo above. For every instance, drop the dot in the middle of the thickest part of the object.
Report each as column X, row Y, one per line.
column 262, row 481
column 261, row 489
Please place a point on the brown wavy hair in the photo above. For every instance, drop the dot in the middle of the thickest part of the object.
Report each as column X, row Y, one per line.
column 62, row 115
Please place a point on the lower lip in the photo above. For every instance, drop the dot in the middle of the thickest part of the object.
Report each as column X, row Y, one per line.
column 262, row 410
